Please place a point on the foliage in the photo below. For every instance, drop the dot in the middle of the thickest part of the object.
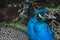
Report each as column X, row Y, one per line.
column 53, row 10
column 14, row 25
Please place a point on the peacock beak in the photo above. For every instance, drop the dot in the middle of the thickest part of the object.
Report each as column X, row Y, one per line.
column 50, row 16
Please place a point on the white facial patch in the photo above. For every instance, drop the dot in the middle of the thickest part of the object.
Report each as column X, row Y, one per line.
column 40, row 16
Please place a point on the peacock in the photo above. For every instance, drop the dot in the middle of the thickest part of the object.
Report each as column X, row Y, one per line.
column 37, row 28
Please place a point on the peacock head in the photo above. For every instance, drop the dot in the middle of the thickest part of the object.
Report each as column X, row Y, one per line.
column 43, row 15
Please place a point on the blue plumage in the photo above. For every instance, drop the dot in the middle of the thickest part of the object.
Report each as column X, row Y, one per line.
column 39, row 30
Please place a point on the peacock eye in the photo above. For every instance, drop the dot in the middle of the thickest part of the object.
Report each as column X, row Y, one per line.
column 42, row 14
column 39, row 18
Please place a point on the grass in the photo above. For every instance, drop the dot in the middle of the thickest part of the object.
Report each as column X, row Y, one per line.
column 14, row 25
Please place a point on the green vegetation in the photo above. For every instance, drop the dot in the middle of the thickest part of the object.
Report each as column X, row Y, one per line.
column 14, row 25
column 53, row 10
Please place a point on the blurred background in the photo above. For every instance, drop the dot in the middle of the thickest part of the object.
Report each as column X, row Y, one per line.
column 16, row 14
